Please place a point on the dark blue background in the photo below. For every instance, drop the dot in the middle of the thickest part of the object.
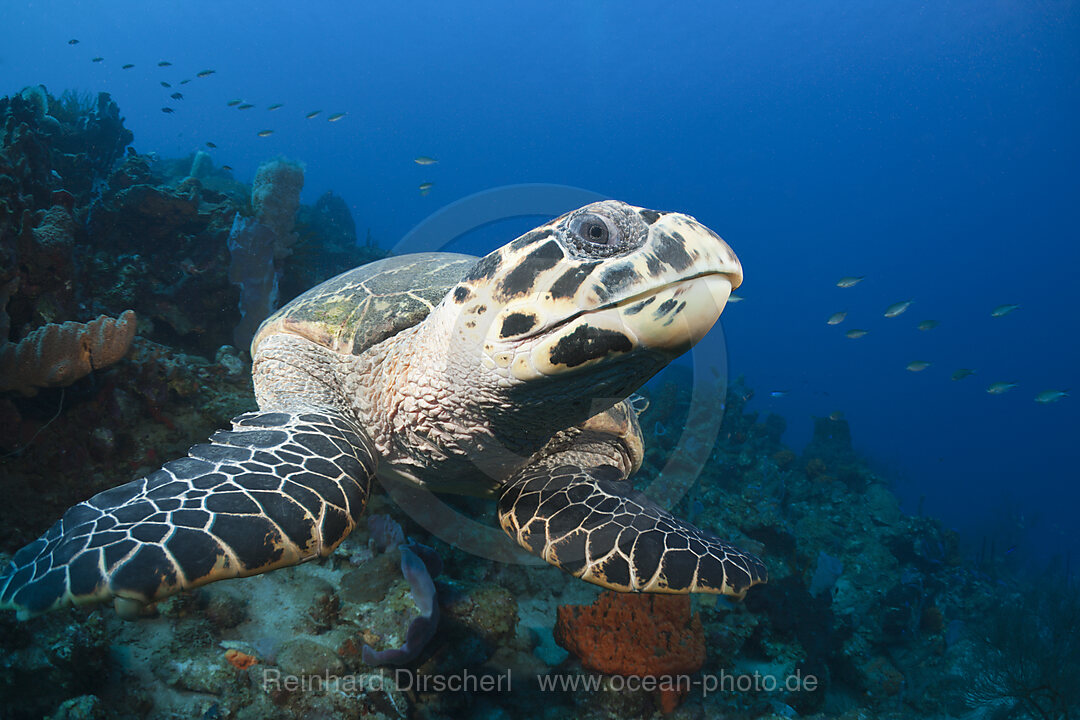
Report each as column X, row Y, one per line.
column 929, row 146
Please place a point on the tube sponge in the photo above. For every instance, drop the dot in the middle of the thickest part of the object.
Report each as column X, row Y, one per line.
column 258, row 244
column 275, row 197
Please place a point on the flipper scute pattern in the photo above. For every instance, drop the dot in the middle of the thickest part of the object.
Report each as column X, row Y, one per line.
column 278, row 489
column 593, row 524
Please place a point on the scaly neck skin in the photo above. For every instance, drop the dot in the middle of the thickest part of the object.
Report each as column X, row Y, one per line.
column 436, row 410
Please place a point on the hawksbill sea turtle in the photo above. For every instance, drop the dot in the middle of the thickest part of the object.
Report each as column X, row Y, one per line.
column 505, row 376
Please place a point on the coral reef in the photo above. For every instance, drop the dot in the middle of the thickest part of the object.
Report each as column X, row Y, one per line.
column 879, row 607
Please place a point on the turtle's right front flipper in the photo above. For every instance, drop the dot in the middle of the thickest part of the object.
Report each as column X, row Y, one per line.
column 590, row 521
column 280, row 488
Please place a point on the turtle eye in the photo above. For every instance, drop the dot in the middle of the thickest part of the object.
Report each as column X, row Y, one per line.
column 596, row 230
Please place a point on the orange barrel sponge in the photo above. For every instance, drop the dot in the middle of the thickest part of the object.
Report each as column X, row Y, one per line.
column 635, row 634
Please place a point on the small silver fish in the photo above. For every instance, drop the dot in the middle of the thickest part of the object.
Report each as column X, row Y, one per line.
column 335, row 117
column 167, row 110
column 1049, row 396
column 164, row 63
column 234, row 103
column 165, row 84
column 244, row 106
column 850, row 281
column 917, row 365
column 425, row 187
column 779, row 393
column 266, row 133
column 97, row 59
column 177, row 96
column 210, row 144
column 836, row 416
column 312, row 114
column 425, row 160
column 897, row 308
column 1000, row 388
column 856, row 333
column 276, row 106
column 73, row 41
column 1002, row 310
column 185, row 81
column 962, row 373
column 128, row 66
column 205, row 73
column 928, row 324
column 836, row 318
column 735, row 298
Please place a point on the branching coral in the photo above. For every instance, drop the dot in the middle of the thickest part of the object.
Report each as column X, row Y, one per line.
column 59, row 354
column 1031, row 654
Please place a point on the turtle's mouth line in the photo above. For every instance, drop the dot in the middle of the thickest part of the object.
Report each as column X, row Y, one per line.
column 629, row 300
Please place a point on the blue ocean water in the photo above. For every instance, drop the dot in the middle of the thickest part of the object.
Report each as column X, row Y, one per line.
column 931, row 147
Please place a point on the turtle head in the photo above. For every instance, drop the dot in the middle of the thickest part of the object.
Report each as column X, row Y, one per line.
column 608, row 293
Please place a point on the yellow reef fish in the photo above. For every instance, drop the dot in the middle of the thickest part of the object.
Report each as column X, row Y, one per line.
column 1049, row 396
column 898, row 308
column 1000, row 388
column 836, row 318
column 850, row 281
column 1002, row 310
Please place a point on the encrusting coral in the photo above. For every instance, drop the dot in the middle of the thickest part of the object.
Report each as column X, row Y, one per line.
column 57, row 355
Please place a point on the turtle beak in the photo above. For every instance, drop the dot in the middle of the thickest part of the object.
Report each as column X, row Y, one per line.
column 661, row 299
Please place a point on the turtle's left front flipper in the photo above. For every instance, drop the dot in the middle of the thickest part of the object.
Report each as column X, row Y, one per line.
column 278, row 489
column 591, row 522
